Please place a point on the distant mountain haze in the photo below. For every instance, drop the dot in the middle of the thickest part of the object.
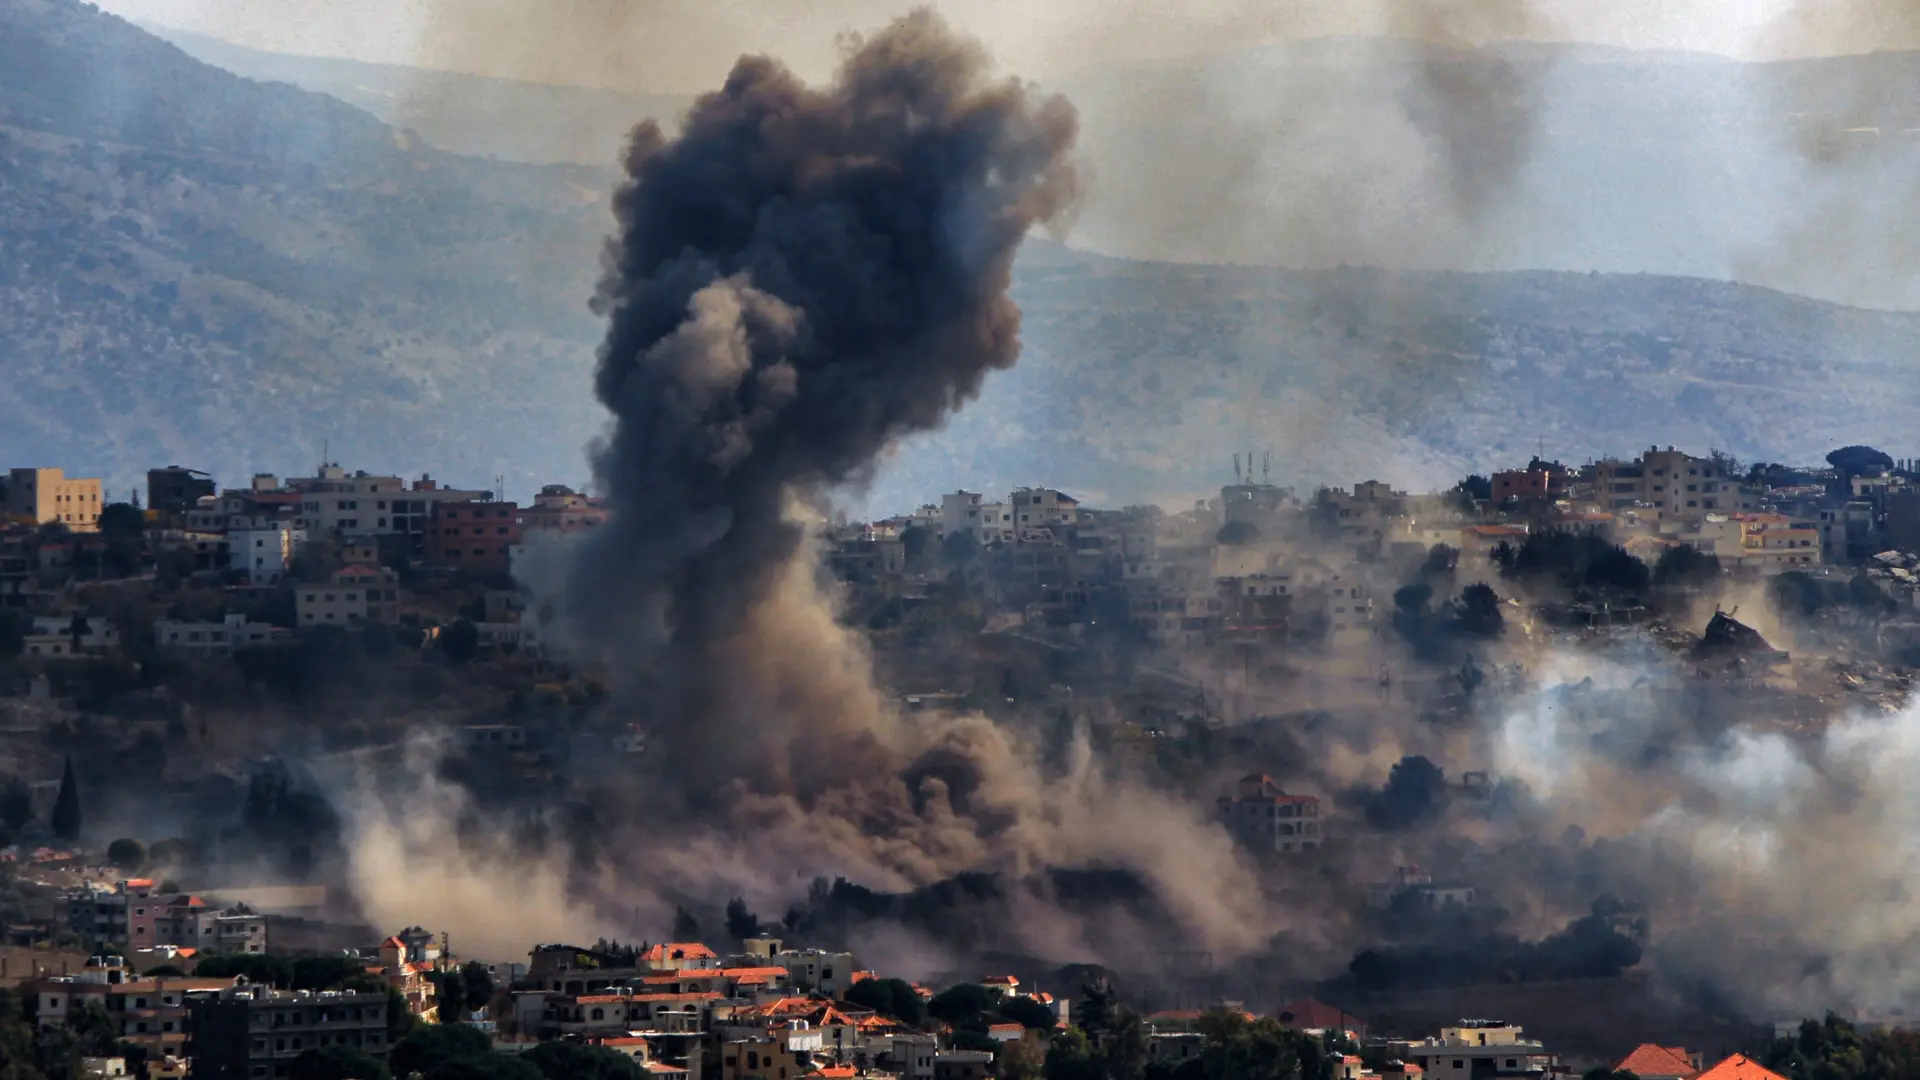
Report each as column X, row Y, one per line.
column 230, row 273
column 1793, row 175
column 668, row 46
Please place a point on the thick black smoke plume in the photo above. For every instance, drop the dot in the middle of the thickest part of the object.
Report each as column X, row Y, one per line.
column 800, row 277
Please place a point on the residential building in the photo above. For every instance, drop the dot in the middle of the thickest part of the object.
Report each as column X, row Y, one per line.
column 1652, row 1062
column 475, row 535
column 1479, row 1049
column 960, row 512
column 559, row 508
column 356, row 595
column 819, row 971
column 1523, row 485
column 1312, row 1014
column 680, row 956
column 150, row 1013
column 1740, row 1067
column 786, row 1054
column 184, row 921
column 216, row 638
column 1670, row 485
column 962, row 1064
column 1264, row 818
column 49, row 495
column 408, row 962
column 177, row 489
column 264, row 552
column 1034, row 508
column 71, row 635
column 1410, row 884
column 334, row 503
column 255, row 1032
column 99, row 914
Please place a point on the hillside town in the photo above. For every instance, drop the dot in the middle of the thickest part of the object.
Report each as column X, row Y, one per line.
column 349, row 550
column 756, row 1010
column 160, row 654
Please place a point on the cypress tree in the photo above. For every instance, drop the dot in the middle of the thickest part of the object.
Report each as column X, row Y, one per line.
column 66, row 808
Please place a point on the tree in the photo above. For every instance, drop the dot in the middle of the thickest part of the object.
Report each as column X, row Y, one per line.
column 431, row 1046
column 1683, row 567
column 961, row 547
column 324, row 972
column 66, row 807
column 961, row 1004
column 1479, row 610
column 1616, row 568
column 571, row 1061
column 127, row 853
column 685, row 926
column 1070, row 1057
column 478, row 983
column 460, row 640
column 170, row 852
column 1413, row 598
column 741, row 923
column 1860, row 461
column 337, row 1063
column 895, row 998
column 169, row 970
column 1472, row 490
column 16, row 805
column 1440, row 563
column 77, row 630
column 1028, row 1013
column 1415, row 793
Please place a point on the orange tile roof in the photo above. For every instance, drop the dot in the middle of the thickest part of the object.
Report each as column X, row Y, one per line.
column 678, row 950
column 139, row 882
column 833, row 1072
column 736, row 973
column 1648, row 1060
column 1740, row 1067
column 1311, row 1013
column 991, row 1028
column 999, row 980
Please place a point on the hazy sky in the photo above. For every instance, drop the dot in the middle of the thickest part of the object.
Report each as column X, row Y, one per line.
column 684, row 45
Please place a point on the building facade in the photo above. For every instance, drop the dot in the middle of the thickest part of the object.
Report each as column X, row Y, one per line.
column 255, row 1032
column 49, row 495
column 474, row 536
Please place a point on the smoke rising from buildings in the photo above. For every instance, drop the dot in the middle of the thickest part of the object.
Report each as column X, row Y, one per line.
column 801, row 276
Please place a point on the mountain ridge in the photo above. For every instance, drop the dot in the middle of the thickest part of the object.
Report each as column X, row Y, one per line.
column 227, row 296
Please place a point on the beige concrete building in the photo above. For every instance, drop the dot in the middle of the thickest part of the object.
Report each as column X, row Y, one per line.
column 50, row 495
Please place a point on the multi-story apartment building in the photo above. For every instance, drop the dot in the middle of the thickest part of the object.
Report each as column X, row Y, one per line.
column 1670, row 485
column 255, row 1032
column 334, row 503
column 559, row 508
column 355, row 595
column 1264, row 818
column 49, row 495
column 264, row 554
column 150, row 1013
column 477, row 536
column 177, row 489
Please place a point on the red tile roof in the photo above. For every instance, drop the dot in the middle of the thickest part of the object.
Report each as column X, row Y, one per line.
column 1310, row 1013
column 678, row 950
column 1657, row 1062
column 1740, row 1067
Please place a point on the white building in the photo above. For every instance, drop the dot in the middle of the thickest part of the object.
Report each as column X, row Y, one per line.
column 829, row 973
column 335, row 503
column 53, row 636
column 264, row 554
column 959, row 512
column 1480, row 1049
column 1040, row 507
column 216, row 638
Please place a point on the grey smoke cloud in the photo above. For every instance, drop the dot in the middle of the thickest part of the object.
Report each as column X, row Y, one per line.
column 800, row 276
